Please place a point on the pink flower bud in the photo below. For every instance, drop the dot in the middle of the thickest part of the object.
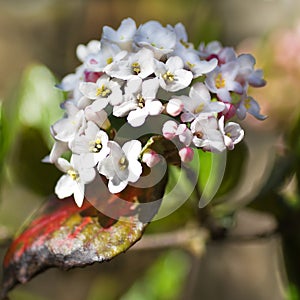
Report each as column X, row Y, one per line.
column 150, row 158
column 186, row 154
column 169, row 130
column 174, row 107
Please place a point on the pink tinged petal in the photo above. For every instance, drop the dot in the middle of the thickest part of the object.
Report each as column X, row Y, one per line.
column 186, row 137
column 169, row 130
column 174, row 107
column 150, row 158
column 137, row 117
column 187, row 117
column 228, row 142
column 186, row 154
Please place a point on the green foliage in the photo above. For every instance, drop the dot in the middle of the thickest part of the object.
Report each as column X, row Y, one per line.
column 164, row 280
column 24, row 129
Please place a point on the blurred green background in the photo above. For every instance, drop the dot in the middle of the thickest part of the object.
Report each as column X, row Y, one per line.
column 258, row 203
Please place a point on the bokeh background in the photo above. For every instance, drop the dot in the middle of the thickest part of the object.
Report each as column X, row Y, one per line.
column 258, row 258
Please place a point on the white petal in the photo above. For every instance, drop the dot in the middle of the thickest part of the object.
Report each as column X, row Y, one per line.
column 132, row 149
column 65, row 186
column 137, row 117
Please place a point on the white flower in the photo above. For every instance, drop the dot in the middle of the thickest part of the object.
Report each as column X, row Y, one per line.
column 139, row 64
column 97, row 62
column 104, row 91
column 248, row 104
column 222, row 80
column 182, row 37
column 172, row 76
column 123, row 36
column 121, row 165
column 66, row 128
column 150, row 158
column 247, row 74
column 154, row 36
column 171, row 130
column 199, row 101
column 206, row 133
column 73, row 182
column 193, row 62
column 232, row 133
column 92, row 145
column 186, row 154
column 174, row 107
column 83, row 51
column 139, row 101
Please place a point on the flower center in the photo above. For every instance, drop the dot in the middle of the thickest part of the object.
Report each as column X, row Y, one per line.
column 140, row 101
column 123, row 163
column 168, row 76
column 136, row 68
column 199, row 108
column 220, row 82
column 247, row 104
column 109, row 60
column 190, row 65
column 103, row 91
column 73, row 174
column 183, row 43
column 199, row 134
column 96, row 146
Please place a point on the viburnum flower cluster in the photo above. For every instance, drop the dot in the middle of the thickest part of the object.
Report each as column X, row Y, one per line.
column 134, row 73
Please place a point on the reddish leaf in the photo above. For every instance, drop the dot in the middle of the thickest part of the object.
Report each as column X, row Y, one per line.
column 65, row 236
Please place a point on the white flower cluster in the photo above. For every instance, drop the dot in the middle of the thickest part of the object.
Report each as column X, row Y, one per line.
column 133, row 73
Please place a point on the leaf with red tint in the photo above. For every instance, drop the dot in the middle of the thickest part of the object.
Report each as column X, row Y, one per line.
column 65, row 236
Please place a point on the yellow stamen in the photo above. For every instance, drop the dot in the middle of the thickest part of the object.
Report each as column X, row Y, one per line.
column 109, row 60
column 123, row 163
column 95, row 146
column 199, row 108
column 73, row 174
column 220, row 82
column 103, row 91
column 190, row 65
column 168, row 76
column 136, row 68
column 247, row 104
column 140, row 101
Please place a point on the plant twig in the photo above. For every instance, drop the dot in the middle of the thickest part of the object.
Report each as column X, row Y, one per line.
column 191, row 238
